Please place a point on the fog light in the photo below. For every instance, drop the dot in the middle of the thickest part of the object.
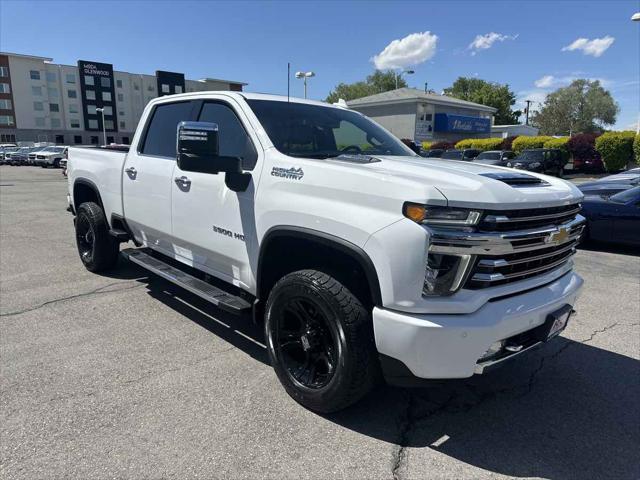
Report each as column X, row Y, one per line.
column 494, row 349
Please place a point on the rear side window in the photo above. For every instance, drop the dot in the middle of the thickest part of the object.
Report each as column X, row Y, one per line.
column 160, row 139
column 233, row 140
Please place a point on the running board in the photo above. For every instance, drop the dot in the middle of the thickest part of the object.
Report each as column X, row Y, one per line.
column 215, row 295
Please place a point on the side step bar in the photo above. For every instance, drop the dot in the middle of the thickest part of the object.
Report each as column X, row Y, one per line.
column 215, row 295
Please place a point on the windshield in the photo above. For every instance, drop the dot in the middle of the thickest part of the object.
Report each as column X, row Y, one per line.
column 312, row 131
column 53, row 149
column 530, row 155
column 488, row 156
column 626, row 196
column 452, row 155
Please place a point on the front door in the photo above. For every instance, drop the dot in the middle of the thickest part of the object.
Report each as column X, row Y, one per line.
column 148, row 177
column 214, row 227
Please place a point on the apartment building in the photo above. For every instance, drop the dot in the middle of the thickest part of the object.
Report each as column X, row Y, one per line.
column 41, row 101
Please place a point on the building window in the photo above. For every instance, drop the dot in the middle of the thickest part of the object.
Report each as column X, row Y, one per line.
column 55, row 123
column 73, row 108
column 122, row 125
column 6, row 120
column 121, row 113
column 108, row 111
column 91, row 110
column 106, row 96
column 4, row 88
column 77, row 139
column 53, row 92
column 71, row 78
column 51, row 77
column 165, row 88
column 125, row 140
column 8, row 137
column 178, row 88
column 91, row 94
column 4, row 71
column 34, row 74
column 59, row 139
column 136, row 86
column 108, row 124
column 94, row 140
column 105, row 82
column 150, row 88
column 6, row 105
column 72, row 94
column 93, row 124
column 39, row 121
column 36, row 91
column 88, row 80
column 54, row 107
column 38, row 106
column 120, row 97
column 75, row 123
column 119, row 83
column 110, row 140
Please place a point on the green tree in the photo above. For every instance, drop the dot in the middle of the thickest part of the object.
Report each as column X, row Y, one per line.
column 377, row 82
column 487, row 93
column 582, row 107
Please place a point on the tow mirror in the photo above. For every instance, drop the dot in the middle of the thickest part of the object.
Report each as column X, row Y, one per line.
column 197, row 149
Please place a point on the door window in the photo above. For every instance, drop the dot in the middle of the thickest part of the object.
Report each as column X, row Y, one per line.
column 233, row 140
column 160, row 138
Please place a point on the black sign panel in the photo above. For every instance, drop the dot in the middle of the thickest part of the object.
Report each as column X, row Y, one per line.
column 168, row 81
column 98, row 91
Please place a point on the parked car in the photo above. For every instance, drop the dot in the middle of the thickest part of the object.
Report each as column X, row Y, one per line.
column 541, row 160
column 432, row 153
column 353, row 259
column 5, row 155
column 592, row 165
column 467, row 154
column 613, row 219
column 31, row 158
column 612, row 184
column 51, row 156
column 19, row 157
column 495, row 157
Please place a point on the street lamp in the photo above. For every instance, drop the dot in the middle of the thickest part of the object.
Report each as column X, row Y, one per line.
column 104, row 128
column 399, row 75
column 304, row 76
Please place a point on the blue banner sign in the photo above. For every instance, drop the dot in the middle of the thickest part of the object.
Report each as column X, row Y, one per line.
column 461, row 123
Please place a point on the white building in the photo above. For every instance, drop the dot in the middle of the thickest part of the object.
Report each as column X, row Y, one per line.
column 45, row 102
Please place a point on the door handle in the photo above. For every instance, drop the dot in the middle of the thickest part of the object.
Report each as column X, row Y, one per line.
column 184, row 181
column 131, row 171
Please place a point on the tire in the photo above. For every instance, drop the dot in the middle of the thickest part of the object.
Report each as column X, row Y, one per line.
column 97, row 249
column 312, row 319
column 56, row 163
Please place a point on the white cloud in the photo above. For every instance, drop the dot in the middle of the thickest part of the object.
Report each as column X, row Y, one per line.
column 544, row 82
column 595, row 47
column 410, row 50
column 550, row 81
column 483, row 42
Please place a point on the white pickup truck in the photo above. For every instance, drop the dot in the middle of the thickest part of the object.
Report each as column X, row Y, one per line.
column 358, row 256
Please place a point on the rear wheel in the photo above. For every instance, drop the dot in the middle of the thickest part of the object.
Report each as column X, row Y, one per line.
column 98, row 250
column 320, row 341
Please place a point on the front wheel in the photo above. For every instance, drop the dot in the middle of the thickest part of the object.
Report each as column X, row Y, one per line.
column 320, row 341
column 98, row 250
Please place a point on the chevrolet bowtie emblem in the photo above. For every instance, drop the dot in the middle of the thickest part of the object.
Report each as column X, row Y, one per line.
column 558, row 237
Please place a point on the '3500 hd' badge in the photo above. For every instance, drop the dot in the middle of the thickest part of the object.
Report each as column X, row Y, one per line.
column 290, row 173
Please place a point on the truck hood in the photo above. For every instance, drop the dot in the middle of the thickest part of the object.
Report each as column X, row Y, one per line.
column 469, row 184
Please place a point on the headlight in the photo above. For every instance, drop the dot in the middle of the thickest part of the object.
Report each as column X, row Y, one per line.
column 534, row 165
column 444, row 273
column 437, row 215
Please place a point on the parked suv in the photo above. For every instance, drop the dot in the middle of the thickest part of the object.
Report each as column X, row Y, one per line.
column 541, row 160
column 495, row 157
column 51, row 156
column 432, row 153
column 467, row 154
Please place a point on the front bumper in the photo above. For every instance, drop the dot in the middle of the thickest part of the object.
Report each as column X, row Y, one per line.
column 440, row 346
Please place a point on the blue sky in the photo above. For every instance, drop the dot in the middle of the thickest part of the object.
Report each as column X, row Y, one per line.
column 253, row 41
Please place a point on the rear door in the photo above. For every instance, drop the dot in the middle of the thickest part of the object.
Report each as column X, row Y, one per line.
column 148, row 176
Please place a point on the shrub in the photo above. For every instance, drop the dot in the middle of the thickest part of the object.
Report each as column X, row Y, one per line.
column 442, row 145
column 480, row 143
column 523, row 143
column 636, row 148
column 561, row 144
column 427, row 145
column 507, row 143
column 582, row 147
column 616, row 149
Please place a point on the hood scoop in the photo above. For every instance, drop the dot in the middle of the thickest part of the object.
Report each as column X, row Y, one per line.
column 516, row 179
column 356, row 158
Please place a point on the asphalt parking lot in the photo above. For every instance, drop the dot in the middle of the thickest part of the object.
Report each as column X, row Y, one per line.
column 125, row 376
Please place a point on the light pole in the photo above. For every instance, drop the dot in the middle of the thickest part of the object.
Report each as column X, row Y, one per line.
column 636, row 18
column 104, row 128
column 399, row 75
column 304, row 76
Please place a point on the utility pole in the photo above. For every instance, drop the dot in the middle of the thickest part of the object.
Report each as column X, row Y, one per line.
column 527, row 112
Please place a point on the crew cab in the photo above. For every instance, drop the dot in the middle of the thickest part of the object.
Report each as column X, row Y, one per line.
column 357, row 255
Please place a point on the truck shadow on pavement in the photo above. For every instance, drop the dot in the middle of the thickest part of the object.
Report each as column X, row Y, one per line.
column 567, row 410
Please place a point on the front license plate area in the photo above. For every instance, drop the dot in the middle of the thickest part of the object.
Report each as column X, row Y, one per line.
column 557, row 321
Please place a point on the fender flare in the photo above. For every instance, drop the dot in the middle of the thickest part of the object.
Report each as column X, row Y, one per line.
column 88, row 183
column 344, row 246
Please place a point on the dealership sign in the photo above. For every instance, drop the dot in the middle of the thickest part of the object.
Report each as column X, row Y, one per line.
column 461, row 123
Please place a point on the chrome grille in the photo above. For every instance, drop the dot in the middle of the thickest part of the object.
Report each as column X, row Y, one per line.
column 507, row 220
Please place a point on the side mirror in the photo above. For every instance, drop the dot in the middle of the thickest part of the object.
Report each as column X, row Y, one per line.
column 197, row 149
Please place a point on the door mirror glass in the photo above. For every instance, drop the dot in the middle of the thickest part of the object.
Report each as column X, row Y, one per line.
column 197, row 149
